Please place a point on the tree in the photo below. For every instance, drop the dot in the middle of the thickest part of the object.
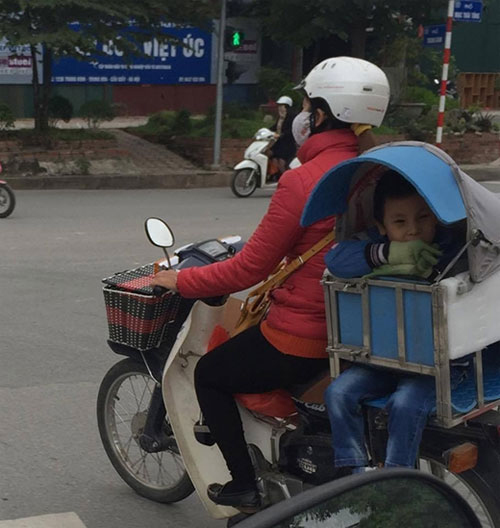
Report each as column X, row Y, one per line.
column 351, row 20
column 44, row 26
column 385, row 504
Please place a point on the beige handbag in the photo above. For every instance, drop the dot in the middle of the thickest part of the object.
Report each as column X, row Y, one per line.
column 258, row 300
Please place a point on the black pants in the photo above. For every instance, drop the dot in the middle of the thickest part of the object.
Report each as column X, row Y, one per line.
column 248, row 363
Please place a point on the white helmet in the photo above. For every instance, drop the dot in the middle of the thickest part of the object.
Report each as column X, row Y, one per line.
column 356, row 90
column 285, row 100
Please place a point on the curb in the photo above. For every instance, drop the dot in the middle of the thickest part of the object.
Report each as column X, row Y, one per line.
column 482, row 172
column 181, row 180
column 176, row 180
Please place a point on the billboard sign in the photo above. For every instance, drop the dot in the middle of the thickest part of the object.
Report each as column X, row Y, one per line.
column 161, row 63
column 467, row 11
column 16, row 63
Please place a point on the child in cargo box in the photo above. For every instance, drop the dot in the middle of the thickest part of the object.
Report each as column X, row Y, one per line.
column 407, row 241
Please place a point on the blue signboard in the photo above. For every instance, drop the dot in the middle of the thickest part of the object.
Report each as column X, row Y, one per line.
column 162, row 63
column 434, row 35
column 467, row 11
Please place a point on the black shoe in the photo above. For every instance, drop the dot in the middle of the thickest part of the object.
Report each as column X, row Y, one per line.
column 245, row 500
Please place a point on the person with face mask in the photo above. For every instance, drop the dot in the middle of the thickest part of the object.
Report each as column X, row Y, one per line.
column 284, row 149
column 289, row 346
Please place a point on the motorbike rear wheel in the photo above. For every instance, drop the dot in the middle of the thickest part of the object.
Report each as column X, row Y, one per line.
column 244, row 182
column 477, row 486
column 7, row 200
column 122, row 406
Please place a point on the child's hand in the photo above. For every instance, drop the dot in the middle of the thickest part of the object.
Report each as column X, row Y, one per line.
column 416, row 253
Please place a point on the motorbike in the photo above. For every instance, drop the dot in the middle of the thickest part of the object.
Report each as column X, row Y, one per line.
column 7, row 198
column 451, row 89
column 148, row 416
column 256, row 169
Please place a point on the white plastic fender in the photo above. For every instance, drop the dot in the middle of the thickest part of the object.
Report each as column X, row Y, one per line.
column 247, row 164
column 204, row 464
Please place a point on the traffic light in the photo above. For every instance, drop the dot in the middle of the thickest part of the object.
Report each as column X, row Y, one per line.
column 234, row 39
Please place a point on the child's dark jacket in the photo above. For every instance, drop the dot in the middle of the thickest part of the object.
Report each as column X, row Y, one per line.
column 359, row 256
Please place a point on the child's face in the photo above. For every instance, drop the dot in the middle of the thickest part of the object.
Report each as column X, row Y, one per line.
column 408, row 218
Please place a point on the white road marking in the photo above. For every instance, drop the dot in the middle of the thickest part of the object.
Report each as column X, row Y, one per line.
column 54, row 520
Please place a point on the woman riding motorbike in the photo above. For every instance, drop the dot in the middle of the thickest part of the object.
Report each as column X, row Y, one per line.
column 288, row 347
column 283, row 151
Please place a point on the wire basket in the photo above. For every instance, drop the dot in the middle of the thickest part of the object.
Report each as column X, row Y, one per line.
column 136, row 317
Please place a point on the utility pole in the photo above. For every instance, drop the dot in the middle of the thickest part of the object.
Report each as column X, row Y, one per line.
column 444, row 74
column 220, row 86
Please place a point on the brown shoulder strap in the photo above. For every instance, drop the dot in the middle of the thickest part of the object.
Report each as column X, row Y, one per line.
column 281, row 275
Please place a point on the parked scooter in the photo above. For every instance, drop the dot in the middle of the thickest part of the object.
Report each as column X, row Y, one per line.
column 7, row 198
column 150, row 423
column 256, row 169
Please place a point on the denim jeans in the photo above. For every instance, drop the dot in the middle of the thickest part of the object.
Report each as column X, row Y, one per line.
column 411, row 400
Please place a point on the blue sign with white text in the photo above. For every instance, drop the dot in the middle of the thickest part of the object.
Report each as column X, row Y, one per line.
column 162, row 63
column 467, row 11
column 434, row 35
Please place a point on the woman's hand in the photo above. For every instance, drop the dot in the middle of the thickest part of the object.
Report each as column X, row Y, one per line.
column 167, row 279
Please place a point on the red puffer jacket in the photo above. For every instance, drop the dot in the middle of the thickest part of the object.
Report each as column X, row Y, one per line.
column 298, row 305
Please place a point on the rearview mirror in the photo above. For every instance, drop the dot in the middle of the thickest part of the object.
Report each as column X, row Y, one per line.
column 159, row 233
column 390, row 498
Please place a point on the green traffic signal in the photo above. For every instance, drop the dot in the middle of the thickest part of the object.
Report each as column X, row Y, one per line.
column 236, row 40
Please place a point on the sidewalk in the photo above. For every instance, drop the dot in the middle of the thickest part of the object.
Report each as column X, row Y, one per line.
column 148, row 165
column 151, row 165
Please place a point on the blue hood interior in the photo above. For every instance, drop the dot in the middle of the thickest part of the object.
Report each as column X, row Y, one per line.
column 432, row 177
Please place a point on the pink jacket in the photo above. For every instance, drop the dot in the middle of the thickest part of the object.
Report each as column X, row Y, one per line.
column 298, row 305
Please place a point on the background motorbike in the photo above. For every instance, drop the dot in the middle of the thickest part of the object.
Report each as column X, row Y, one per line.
column 256, row 169
column 152, row 431
column 7, row 198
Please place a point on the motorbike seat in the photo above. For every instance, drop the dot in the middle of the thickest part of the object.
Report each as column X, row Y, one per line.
column 313, row 390
column 279, row 403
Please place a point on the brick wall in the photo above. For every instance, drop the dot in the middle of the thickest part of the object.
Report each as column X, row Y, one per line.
column 200, row 150
column 468, row 149
column 147, row 99
column 472, row 149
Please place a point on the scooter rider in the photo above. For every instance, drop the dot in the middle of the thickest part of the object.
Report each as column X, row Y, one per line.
column 283, row 151
column 288, row 347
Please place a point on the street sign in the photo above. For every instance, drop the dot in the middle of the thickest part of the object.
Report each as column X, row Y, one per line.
column 467, row 11
column 434, row 35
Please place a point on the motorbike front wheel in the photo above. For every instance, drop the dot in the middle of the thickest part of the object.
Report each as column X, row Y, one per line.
column 122, row 406
column 244, row 182
column 7, row 200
